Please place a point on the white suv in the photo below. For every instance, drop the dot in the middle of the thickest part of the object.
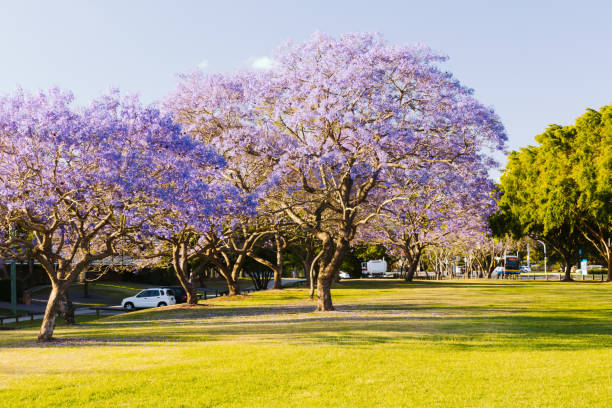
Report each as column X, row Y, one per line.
column 152, row 297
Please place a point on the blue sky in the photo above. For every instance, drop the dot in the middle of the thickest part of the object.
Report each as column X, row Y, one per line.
column 535, row 62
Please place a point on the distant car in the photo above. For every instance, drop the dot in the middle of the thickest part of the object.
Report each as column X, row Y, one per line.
column 344, row 275
column 179, row 293
column 525, row 269
column 152, row 297
column 498, row 271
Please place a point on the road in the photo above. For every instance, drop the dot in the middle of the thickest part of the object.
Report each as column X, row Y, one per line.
column 39, row 308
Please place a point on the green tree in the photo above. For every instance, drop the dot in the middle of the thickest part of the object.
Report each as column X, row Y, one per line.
column 560, row 191
column 592, row 173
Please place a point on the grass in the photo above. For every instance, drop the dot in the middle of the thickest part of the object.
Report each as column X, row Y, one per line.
column 434, row 344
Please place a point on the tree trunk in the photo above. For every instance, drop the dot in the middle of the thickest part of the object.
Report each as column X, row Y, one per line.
column 59, row 299
column 313, row 273
column 309, row 264
column 232, row 286
column 567, row 263
column 327, row 274
column 568, row 272
column 232, row 283
column 412, row 267
column 192, row 297
column 278, row 281
column 181, row 267
column 277, row 267
column 413, row 255
column 490, row 266
column 306, row 266
column 48, row 323
column 278, row 271
column 324, row 300
column 312, row 278
column 312, row 286
column 67, row 309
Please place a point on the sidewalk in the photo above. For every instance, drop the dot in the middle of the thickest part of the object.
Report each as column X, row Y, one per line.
column 78, row 312
column 34, row 308
column 286, row 282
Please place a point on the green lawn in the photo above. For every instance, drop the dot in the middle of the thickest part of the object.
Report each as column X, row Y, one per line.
column 428, row 344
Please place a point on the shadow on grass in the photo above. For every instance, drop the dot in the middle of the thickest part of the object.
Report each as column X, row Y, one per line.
column 488, row 320
column 569, row 329
column 497, row 284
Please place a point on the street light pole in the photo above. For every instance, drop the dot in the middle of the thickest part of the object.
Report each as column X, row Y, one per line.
column 545, row 273
column 528, row 261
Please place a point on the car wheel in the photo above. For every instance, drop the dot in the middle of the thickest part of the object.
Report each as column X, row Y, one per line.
column 128, row 305
column 160, row 304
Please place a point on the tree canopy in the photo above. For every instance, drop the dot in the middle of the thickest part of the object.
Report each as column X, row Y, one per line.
column 560, row 191
column 79, row 182
column 335, row 125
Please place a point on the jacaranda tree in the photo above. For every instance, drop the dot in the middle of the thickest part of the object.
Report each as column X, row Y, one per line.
column 443, row 205
column 192, row 226
column 212, row 109
column 181, row 229
column 336, row 122
column 79, row 182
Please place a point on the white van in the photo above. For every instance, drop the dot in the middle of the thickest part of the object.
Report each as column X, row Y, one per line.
column 152, row 297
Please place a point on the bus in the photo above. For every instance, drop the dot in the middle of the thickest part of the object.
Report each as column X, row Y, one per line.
column 512, row 265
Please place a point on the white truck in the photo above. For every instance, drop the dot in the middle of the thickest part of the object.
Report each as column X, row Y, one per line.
column 376, row 268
